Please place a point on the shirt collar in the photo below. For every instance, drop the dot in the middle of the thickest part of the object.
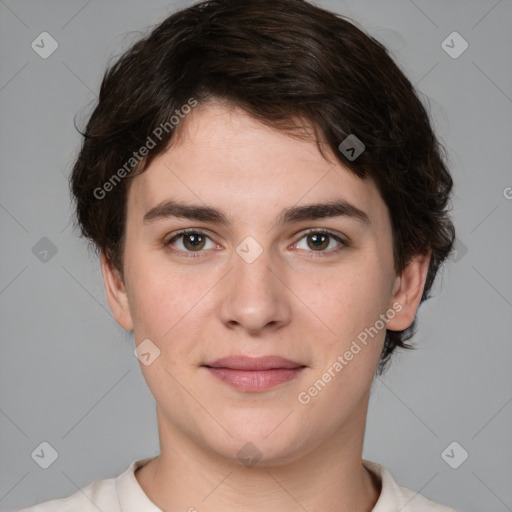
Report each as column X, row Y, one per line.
column 132, row 497
column 130, row 494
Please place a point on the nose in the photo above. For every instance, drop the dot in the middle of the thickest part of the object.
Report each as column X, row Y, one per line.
column 254, row 296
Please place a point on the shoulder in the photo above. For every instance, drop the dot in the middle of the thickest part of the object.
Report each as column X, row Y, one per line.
column 415, row 502
column 113, row 495
column 396, row 497
column 98, row 495
column 101, row 493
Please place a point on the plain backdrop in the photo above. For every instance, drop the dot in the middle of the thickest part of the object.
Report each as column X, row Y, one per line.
column 68, row 376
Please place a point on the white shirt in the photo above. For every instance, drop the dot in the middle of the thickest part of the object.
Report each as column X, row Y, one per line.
column 124, row 494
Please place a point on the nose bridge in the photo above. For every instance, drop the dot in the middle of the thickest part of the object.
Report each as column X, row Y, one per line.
column 253, row 266
column 253, row 295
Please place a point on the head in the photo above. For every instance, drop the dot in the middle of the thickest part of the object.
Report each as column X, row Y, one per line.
column 240, row 108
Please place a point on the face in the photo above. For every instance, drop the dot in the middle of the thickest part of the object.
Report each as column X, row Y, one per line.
column 249, row 279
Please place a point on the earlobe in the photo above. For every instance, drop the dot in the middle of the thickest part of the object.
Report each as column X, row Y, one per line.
column 407, row 292
column 116, row 294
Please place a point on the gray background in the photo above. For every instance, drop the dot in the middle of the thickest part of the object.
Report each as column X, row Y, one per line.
column 68, row 373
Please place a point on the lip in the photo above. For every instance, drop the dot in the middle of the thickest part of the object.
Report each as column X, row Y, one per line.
column 254, row 363
column 252, row 374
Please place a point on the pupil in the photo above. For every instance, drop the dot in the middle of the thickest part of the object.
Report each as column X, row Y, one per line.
column 194, row 240
column 317, row 239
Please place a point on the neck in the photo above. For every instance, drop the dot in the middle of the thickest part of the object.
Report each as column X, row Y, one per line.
column 188, row 476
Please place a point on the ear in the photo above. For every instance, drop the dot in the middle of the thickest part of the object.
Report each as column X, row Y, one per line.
column 407, row 292
column 116, row 294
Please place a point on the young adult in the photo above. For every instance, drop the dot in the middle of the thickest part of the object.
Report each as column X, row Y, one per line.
column 269, row 203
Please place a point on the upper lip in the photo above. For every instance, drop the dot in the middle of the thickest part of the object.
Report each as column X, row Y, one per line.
column 253, row 363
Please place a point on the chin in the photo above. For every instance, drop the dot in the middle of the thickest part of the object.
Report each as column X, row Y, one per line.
column 259, row 443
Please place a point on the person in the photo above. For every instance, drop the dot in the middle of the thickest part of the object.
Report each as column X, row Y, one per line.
column 270, row 206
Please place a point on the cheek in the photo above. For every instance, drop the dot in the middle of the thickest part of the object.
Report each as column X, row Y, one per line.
column 349, row 299
column 171, row 308
column 348, row 358
column 158, row 297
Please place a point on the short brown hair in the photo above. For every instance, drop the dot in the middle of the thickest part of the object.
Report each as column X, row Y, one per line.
column 280, row 61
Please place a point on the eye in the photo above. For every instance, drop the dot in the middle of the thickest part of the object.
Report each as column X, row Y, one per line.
column 194, row 241
column 191, row 241
column 319, row 241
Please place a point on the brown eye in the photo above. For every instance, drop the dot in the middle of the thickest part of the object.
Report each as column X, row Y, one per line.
column 318, row 241
column 193, row 241
column 187, row 242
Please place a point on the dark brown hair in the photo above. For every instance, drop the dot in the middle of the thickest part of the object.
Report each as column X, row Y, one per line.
column 281, row 61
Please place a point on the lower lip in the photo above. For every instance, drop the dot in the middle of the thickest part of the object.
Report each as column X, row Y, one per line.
column 255, row 380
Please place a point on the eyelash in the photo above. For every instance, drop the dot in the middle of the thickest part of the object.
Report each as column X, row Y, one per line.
column 197, row 254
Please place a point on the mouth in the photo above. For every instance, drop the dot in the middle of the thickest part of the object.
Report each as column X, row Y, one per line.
column 253, row 374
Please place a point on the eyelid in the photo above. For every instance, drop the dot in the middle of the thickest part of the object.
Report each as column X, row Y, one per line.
column 185, row 231
column 199, row 231
column 342, row 241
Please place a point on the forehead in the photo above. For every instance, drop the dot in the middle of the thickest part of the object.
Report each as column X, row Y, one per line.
column 225, row 158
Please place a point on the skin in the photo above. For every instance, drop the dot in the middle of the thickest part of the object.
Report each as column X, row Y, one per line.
column 293, row 301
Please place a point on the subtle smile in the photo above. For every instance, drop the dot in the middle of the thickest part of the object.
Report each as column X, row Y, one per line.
column 254, row 374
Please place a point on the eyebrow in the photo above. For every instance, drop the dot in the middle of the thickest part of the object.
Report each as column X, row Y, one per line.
column 336, row 208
